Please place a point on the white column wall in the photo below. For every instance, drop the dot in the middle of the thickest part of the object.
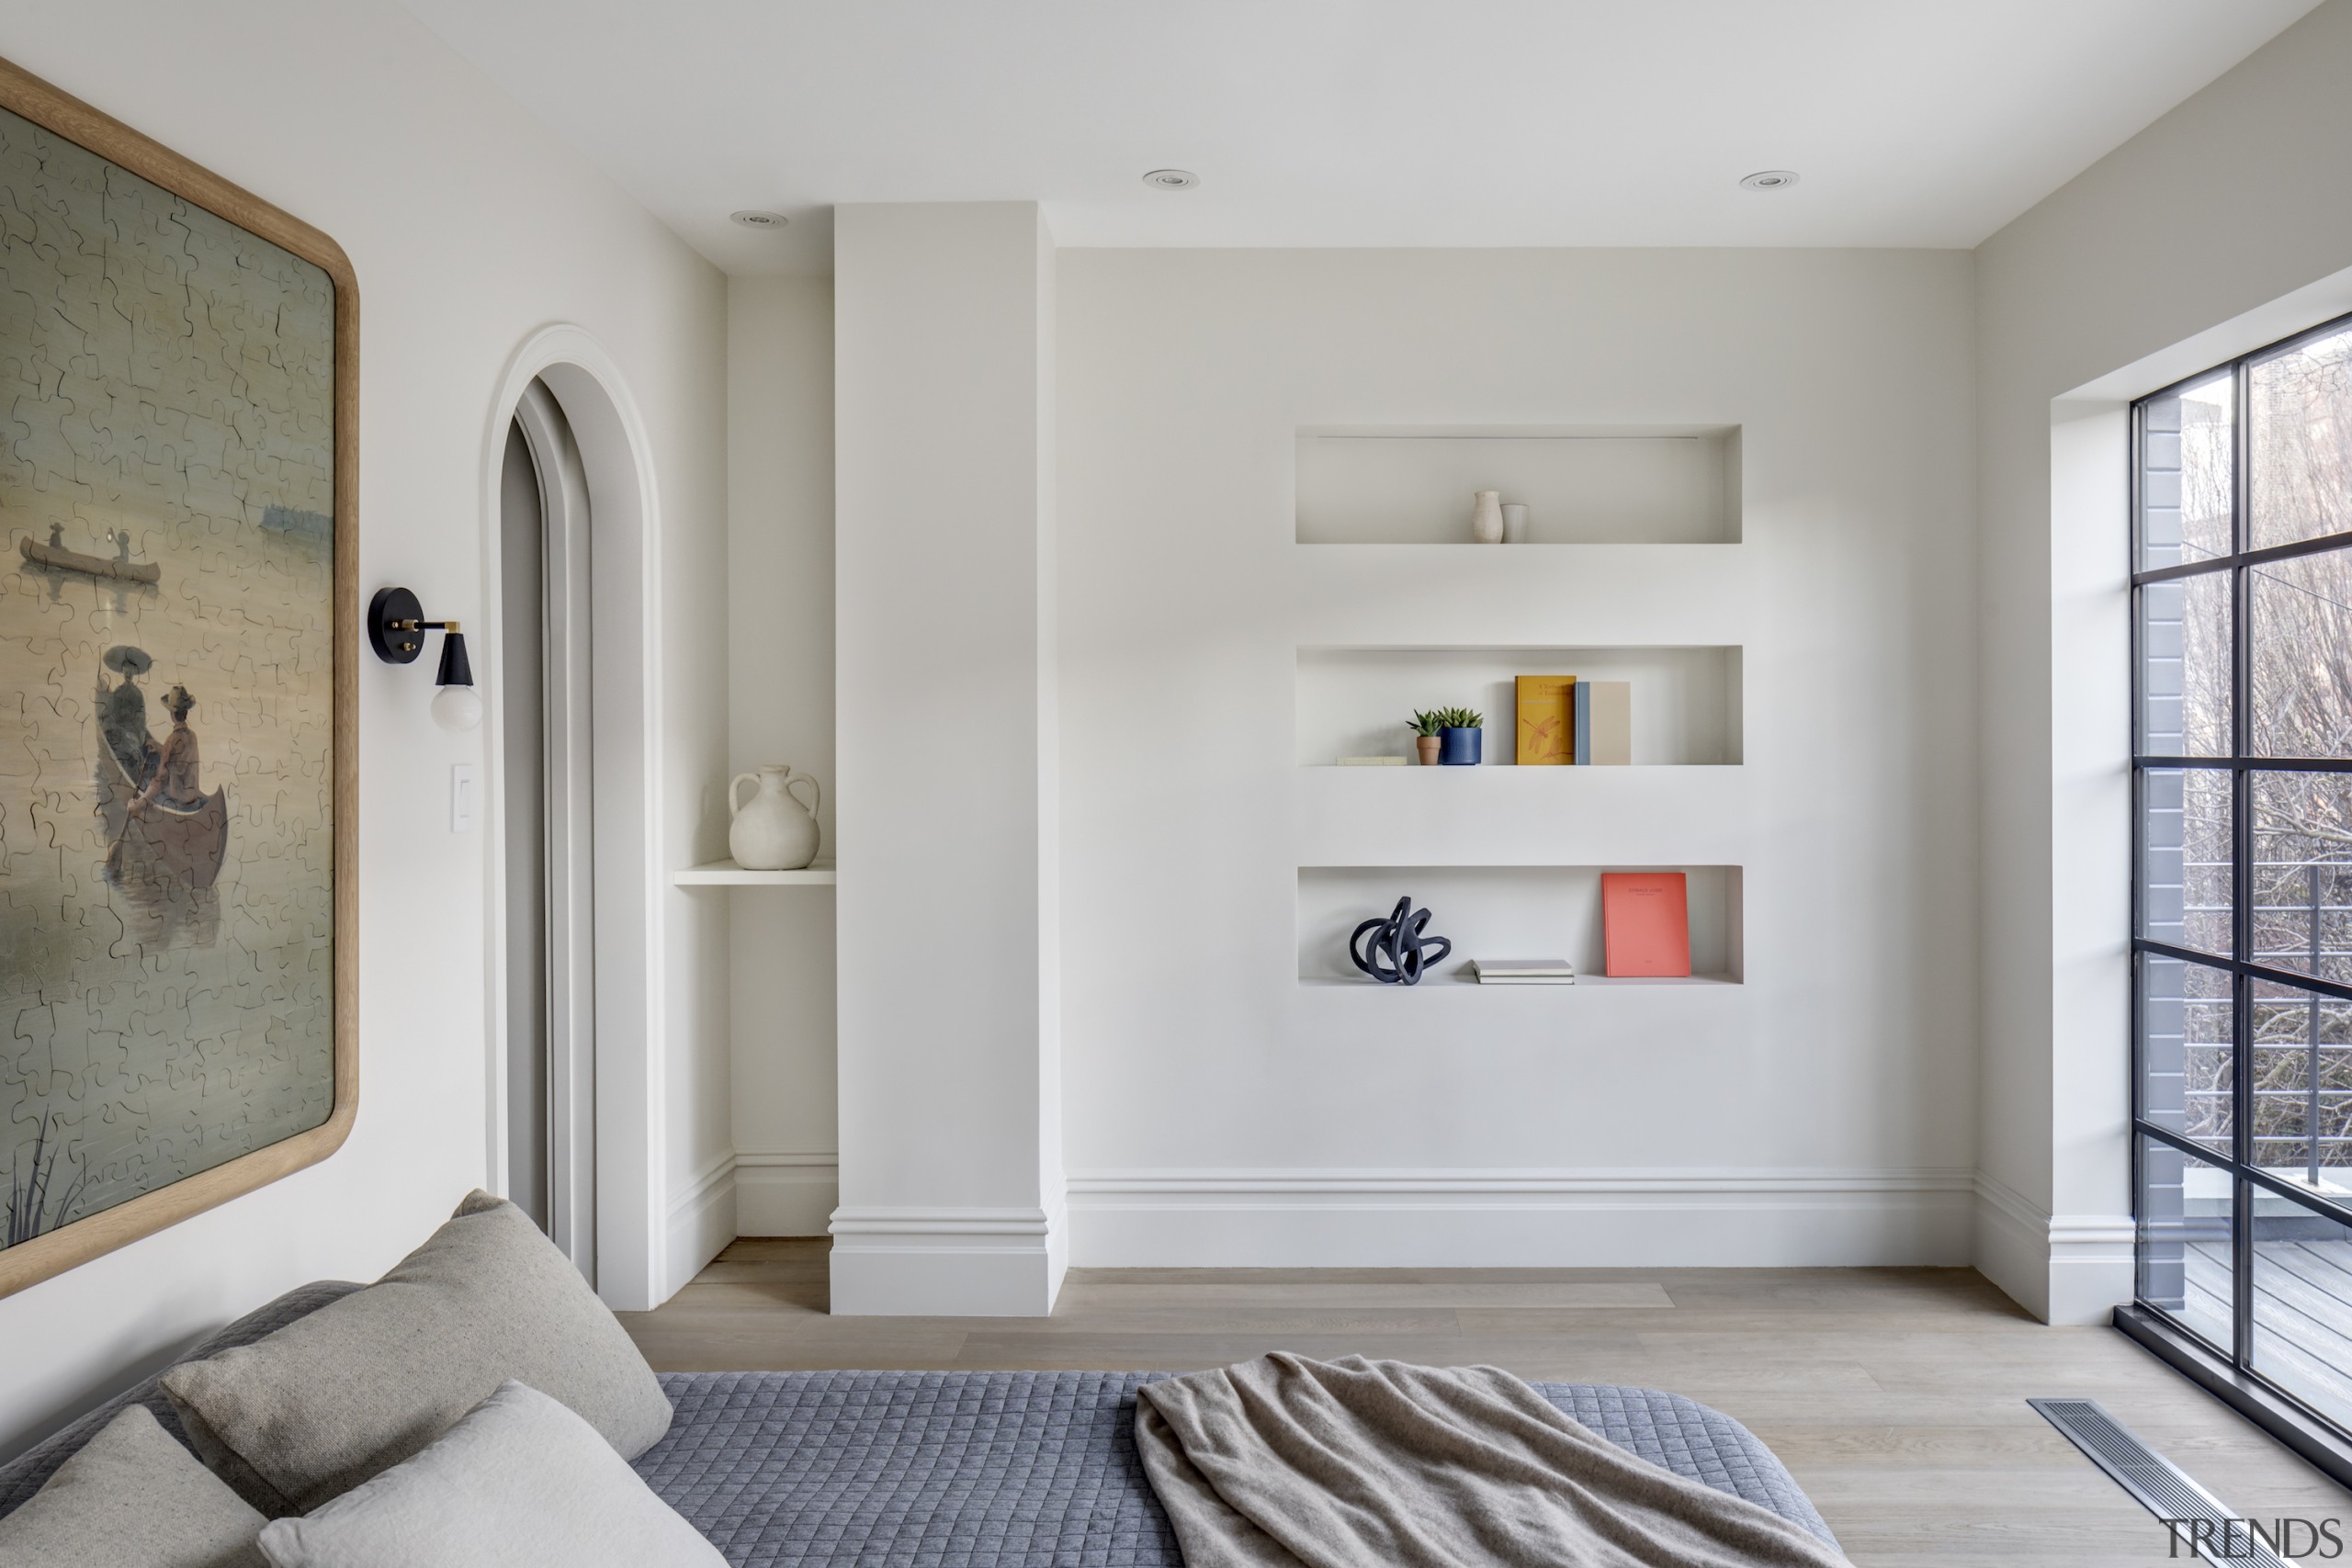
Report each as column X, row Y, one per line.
column 949, row 1121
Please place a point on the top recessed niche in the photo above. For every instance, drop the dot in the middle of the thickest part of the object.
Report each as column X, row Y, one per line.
column 1653, row 484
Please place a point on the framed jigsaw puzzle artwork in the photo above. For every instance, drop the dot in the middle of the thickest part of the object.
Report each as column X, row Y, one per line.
column 178, row 621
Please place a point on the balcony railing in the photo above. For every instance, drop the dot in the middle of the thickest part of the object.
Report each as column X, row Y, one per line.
column 2301, row 1121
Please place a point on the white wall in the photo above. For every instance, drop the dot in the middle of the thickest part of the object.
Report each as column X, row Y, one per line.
column 2222, row 226
column 469, row 228
column 1220, row 1111
column 780, row 709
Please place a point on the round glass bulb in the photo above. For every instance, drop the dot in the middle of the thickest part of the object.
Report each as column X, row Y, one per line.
column 457, row 709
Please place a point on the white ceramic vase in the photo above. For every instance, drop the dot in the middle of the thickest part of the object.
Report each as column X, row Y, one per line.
column 1486, row 517
column 773, row 830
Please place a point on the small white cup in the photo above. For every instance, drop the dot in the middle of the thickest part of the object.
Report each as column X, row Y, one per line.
column 1514, row 522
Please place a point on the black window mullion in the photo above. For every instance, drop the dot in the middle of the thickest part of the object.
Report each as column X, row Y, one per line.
column 2242, row 868
column 2301, row 1198
column 2255, row 972
column 2318, row 1203
column 2254, row 764
column 2135, row 545
column 2243, row 557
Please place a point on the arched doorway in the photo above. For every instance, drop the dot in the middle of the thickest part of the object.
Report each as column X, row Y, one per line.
column 545, row 684
column 575, row 1087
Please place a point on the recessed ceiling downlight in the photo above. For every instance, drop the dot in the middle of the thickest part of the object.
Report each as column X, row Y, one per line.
column 755, row 217
column 1769, row 179
column 1171, row 179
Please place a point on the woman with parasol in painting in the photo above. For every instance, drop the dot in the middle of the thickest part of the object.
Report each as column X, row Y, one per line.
column 160, row 825
column 122, row 721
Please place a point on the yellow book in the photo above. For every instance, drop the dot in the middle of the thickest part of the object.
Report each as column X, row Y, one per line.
column 1547, row 721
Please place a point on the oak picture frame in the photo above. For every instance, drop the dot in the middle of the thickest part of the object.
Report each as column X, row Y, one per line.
column 53, row 1251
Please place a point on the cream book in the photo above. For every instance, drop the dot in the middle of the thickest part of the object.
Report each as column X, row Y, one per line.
column 1523, row 971
column 1372, row 761
column 1605, row 722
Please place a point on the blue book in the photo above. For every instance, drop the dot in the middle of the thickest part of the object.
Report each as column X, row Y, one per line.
column 1580, row 697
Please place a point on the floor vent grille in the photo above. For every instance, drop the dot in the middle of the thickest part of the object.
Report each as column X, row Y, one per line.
column 2155, row 1482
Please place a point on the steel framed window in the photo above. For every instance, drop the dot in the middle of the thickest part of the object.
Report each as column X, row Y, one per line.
column 2242, row 862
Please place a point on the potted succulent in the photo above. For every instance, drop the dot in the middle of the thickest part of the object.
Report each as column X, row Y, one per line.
column 1429, row 735
column 1462, row 736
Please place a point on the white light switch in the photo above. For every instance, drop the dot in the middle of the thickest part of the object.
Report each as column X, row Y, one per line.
column 465, row 793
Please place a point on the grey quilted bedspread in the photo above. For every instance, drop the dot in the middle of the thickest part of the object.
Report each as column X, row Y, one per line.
column 957, row 1469
column 1022, row 1470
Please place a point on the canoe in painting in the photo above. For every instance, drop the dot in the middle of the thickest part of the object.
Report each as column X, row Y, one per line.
column 95, row 566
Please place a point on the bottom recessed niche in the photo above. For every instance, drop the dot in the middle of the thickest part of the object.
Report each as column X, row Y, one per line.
column 1506, row 911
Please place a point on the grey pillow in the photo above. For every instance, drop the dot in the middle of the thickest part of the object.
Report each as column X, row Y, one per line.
column 133, row 1498
column 519, row 1483
column 314, row 1409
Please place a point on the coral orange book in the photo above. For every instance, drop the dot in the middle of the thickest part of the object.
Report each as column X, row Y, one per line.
column 1645, row 923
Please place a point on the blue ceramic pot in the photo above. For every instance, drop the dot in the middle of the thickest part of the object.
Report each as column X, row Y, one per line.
column 1461, row 748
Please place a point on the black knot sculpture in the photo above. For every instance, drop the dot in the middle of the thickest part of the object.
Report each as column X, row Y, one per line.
column 1397, row 953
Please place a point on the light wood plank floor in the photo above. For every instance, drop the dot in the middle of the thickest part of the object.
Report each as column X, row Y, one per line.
column 1897, row 1395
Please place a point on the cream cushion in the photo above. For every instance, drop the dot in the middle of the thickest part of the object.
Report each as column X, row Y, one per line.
column 132, row 1497
column 310, row 1411
column 519, row 1483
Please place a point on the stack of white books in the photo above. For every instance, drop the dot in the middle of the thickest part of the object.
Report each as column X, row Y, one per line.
column 1523, row 971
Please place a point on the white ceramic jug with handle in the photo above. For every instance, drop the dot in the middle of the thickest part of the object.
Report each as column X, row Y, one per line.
column 773, row 830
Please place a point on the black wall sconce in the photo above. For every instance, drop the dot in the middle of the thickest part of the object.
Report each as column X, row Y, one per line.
column 396, row 629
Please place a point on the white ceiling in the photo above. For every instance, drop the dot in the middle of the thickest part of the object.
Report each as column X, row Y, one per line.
column 1355, row 122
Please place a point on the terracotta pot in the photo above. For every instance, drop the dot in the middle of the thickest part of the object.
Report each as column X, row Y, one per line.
column 1427, row 745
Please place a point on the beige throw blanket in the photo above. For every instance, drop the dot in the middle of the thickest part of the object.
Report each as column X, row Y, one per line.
column 1283, row 1462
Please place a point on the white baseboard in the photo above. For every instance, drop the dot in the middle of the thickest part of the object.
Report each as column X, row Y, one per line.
column 1591, row 1218
column 2091, row 1267
column 700, row 1222
column 786, row 1194
column 2013, row 1246
column 2065, row 1268
column 963, row 1262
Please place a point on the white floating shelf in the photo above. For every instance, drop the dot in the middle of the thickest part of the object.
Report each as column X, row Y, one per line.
column 726, row 874
column 1490, row 766
column 1458, row 982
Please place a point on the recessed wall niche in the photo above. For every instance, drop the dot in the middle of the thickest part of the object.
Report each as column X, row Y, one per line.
column 1355, row 701
column 1581, row 485
column 1508, row 911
